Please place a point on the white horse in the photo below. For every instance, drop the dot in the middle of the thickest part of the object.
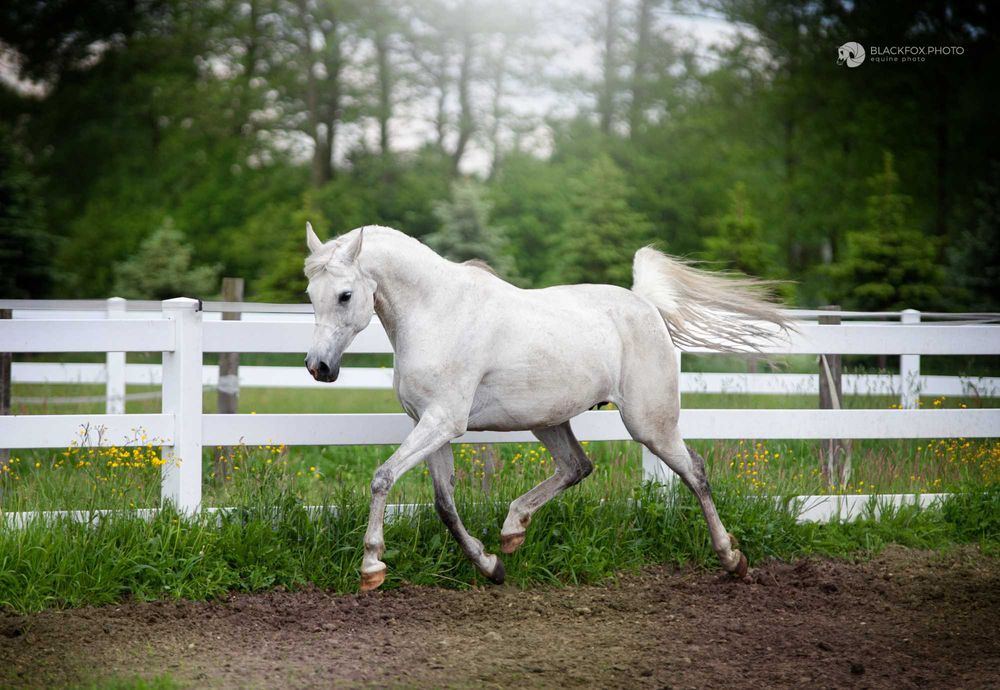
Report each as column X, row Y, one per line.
column 474, row 352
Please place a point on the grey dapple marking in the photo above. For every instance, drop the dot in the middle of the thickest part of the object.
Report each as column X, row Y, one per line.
column 474, row 352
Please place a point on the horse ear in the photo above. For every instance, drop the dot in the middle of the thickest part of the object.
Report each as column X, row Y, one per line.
column 312, row 241
column 349, row 251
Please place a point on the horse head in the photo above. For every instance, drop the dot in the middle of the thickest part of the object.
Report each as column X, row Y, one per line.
column 343, row 298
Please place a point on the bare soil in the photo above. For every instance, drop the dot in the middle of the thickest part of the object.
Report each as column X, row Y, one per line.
column 907, row 619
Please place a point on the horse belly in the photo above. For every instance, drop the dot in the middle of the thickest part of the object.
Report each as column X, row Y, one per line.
column 513, row 400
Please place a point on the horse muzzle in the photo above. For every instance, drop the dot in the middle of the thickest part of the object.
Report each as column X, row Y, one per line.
column 322, row 371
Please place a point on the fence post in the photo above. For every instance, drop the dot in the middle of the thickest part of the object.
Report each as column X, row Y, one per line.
column 114, row 390
column 5, row 389
column 835, row 452
column 181, row 473
column 909, row 369
column 654, row 469
column 229, row 376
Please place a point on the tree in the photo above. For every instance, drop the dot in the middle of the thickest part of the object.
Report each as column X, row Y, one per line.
column 465, row 232
column 161, row 269
column 739, row 240
column 889, row 264
column 975, row 257
column 602, row 232
column 531, row 204
column 25, row 245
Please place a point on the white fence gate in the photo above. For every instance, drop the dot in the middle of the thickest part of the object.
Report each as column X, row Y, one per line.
column 181, row 331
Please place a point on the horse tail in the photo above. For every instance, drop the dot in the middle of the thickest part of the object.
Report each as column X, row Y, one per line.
column 724, row 312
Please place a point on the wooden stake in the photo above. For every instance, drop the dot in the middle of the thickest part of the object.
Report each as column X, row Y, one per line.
column 229, row 376
column 835, row 453
column 5, row 387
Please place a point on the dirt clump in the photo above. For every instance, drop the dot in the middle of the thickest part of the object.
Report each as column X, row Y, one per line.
column 907, row 619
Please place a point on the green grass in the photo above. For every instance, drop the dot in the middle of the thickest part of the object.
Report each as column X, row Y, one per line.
column 272, row 539
column 611, row 522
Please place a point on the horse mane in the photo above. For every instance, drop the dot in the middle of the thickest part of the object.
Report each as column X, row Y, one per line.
column 483, row 266
column 316, row 263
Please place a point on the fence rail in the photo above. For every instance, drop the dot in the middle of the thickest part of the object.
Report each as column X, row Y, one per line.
column 183, row 335
column 380, row 378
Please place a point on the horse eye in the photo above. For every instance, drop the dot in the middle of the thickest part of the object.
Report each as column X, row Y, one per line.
column 345, row 297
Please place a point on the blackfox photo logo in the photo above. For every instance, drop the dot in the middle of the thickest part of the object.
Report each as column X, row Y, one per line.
column 852, row 53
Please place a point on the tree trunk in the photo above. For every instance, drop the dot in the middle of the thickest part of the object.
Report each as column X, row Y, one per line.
column 640, row 67
column 382, row 51
column 497, row 105
column 941, row 154
column 794, row 248
column 466, row 123
column 312, row 98
column 605, row 101
column 322, row 166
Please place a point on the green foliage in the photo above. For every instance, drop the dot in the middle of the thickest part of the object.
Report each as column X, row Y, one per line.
column 203, row 112
column 889, row 265
column 975, row 255
column 602, row 233
column 465, row 231
column 975, row 513
column 161, row 269
column 26, row 246
column 739, row 242
column 531, row 204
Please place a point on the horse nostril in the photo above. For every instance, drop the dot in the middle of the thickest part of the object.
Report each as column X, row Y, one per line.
column 324, row 370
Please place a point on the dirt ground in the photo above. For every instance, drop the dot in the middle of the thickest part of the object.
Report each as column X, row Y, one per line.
column 907, row 619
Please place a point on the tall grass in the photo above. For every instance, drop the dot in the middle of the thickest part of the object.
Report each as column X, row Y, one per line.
column 298, row 514
column 273, row 537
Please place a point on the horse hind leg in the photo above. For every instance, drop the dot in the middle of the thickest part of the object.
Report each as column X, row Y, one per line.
column 441, row 465
column 572, row 465
column 690, row 467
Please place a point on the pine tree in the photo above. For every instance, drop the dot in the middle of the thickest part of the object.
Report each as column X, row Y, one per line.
column 738, row 242
column 975, row 257
column 602, row 233
column 26, row 247
column 161, row 269
column 465, row 231
column 889, row 265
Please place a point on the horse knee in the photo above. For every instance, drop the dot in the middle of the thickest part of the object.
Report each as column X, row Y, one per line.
column 382, row 482
column 699, row 474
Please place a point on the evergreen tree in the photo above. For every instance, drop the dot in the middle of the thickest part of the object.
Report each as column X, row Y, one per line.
column 889, row 265
column 531, row 204
column 975, row 258
column 26, row 247
column 602, row 232
column 161, row 269
column 465, row 231
column 739, row 242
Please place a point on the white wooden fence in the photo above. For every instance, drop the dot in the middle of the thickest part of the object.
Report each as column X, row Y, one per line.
column 182, row 333
column 908, row 386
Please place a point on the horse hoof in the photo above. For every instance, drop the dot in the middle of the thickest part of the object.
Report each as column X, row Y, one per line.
column 509, row 543
column 372, row 580
column 498, row 574
column 741, row 568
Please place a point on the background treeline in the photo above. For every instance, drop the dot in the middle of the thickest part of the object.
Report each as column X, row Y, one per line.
column 170, row 141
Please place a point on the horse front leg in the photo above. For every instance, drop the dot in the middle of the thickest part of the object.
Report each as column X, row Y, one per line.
column 432, row 431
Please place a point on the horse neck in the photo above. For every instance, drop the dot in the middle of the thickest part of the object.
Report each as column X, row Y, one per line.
column 408, row 275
